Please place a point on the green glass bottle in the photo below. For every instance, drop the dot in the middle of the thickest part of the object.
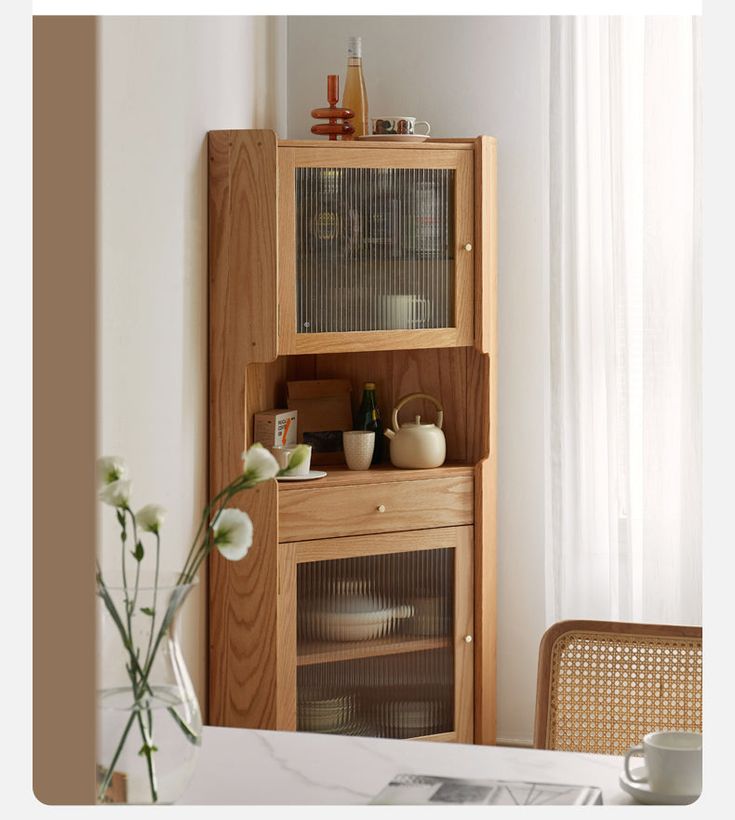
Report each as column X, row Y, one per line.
column 368, row 418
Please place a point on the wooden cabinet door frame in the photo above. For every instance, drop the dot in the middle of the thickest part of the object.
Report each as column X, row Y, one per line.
column 461, row 161
column 459, row 539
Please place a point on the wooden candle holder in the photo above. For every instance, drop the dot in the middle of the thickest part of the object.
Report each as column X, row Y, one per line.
column 333, row 128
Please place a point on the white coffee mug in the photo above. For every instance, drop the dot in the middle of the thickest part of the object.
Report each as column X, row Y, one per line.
column 283, row 455
column 404, row 311
column 358, row 446
column 673, row 762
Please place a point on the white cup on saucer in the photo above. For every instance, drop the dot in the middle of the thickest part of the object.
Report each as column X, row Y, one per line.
column 283, row 455
column 673, row 762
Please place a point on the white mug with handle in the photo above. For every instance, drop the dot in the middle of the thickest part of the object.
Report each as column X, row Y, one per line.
column 673, row 762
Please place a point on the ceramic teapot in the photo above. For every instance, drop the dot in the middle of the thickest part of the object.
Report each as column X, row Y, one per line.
column 416, row 444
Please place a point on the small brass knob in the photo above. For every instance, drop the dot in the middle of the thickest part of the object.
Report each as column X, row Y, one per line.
column 468, row 246
column 468, row 638
column 381, row 507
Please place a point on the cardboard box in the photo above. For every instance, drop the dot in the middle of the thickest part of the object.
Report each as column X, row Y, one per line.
column 276, row 427
column 325, row 412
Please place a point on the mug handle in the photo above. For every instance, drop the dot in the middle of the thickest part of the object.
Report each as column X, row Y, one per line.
column 422, row 122
column 421, row 312
column 635, row 750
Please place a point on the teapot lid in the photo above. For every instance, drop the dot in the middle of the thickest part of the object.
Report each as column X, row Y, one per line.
column 417, row 423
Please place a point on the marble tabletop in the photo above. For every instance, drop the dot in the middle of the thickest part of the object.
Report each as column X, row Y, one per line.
column 247, row 767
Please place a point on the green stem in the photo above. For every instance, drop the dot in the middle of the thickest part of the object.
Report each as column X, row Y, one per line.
column 148, row 752
column 155, row 599
column 111, row 767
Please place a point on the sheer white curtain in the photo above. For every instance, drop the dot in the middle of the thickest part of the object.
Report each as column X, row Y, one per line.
column 625, row 319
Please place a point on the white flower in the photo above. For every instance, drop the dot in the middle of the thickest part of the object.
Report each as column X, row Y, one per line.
column 297, row 457
column 259, row 463
column 233, row 533
column 116, row 494
column 151, row 517
column 109, row 469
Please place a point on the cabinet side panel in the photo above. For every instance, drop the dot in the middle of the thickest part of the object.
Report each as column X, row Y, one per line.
column 485, row 602
column 486, row 237
column 242, row 330
column 242, row 622
column 482, row 437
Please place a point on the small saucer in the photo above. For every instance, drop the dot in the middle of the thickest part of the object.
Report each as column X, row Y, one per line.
column 310, row 476
column 644, row 794
column 395, row 137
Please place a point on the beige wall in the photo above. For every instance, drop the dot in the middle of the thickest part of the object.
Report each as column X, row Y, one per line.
column 163, row 82
column 469, row 76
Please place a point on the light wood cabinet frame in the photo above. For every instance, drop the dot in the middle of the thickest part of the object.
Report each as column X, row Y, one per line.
column 251, row 356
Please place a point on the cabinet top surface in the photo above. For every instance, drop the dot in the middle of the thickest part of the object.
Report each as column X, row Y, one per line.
column 434, row 143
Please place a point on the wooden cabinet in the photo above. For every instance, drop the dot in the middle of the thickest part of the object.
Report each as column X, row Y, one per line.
column 367, row 602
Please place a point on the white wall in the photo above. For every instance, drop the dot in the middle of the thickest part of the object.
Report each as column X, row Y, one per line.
column 469, row 76
column 163, row 83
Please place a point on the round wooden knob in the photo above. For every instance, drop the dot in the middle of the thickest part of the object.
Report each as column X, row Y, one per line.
column 468, row 638
column 468, row 246
column 381, row 508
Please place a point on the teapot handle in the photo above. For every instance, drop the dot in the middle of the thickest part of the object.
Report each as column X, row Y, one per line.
column 410, row 397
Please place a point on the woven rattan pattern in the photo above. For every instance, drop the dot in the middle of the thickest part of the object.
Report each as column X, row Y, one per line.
column 607, row 691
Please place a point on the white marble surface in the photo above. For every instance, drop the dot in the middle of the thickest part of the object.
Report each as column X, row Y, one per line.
column 241, row 766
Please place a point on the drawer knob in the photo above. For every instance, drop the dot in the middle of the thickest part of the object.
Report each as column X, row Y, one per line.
column 381, row 508
column 468, row 638
column 468, row 246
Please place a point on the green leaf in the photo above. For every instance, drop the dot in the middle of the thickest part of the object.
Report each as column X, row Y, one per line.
column 146, row 610
column 145, row 749
column 121, row 518
column 138, row 553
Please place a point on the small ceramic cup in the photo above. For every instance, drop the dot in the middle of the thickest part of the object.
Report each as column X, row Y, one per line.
column 283, row 455
column 358, row 446
column 673, row 762
column 394, row 126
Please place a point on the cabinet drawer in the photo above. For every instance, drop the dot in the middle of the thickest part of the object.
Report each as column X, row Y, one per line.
column 387, row 507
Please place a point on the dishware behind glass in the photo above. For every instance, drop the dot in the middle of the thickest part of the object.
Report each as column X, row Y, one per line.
column 673, row 762
column 404, row 311
column 386, row 126
column 358, row 446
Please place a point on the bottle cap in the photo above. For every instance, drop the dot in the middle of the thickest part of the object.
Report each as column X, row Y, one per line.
column 369, row 385
column 354, row 46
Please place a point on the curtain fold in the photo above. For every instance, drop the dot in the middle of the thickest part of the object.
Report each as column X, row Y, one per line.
column 625, row 319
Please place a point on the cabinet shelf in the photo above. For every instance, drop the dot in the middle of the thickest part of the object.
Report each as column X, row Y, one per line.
column 339, row 475
column 330, row 652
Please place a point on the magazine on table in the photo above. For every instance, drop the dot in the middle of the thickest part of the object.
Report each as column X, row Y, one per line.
column 422, row 789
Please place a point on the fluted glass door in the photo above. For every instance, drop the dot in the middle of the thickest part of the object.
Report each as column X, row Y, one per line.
column 374, row 249
column 375, row 644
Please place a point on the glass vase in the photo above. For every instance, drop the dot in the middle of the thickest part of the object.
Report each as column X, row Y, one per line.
column 149, row 725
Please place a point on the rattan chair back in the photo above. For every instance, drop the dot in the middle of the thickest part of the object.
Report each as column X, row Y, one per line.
column 603, row 685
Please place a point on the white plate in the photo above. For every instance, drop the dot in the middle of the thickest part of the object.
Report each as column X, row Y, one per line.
column 644, row 794
column 312, row 474
column 395, row 137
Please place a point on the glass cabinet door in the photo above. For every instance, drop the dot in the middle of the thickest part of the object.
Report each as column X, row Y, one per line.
column 376, row 248
column 381, row 645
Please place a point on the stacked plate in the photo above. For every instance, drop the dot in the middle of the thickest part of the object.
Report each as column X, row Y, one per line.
column 325, row 714
column 413, row 718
